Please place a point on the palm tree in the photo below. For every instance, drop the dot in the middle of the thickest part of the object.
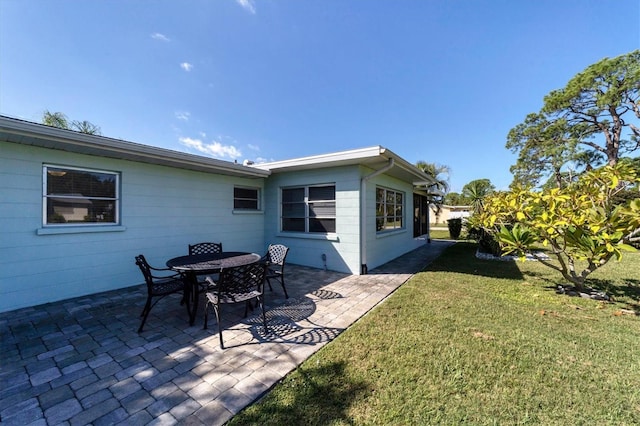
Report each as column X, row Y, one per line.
column 55, row 119
column 439, row 172
column 85, row 127
column 476, row 190
column 437, row 191
column 60, row 120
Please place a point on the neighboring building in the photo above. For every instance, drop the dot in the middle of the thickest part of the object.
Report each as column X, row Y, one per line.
column 77, row 208
column 444, row 212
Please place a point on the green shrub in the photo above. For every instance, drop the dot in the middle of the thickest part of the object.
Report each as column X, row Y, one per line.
column 487, row 242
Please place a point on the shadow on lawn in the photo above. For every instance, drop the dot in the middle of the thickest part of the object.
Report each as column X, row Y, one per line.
column 460, row 258
column 627, row 293
column 320, row 395
column 624, row 294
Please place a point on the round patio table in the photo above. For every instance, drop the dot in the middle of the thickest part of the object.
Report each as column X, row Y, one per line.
column 209, row 263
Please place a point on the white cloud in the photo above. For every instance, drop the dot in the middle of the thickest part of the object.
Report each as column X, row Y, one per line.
column 183, row 115
column 186, row 66
column 247, row 5
column 253, row 147
column 215, row 149
column 161, row 37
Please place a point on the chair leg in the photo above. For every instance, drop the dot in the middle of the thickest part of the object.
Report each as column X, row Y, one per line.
column 269, row 282
column 206, row 314
column 286, row 296
column 264, row 317
column 145, row 313
column 216, row 309
column 248, row 306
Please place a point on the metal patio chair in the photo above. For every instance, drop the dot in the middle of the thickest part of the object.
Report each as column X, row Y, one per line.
column 206, row 281
column 159, row 285
column 276, row 257
column 240, row 284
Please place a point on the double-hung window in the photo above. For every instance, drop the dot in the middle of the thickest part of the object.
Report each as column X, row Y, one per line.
column 80, row 196
column 310, row 209
column 245, row 198
column 389, row 209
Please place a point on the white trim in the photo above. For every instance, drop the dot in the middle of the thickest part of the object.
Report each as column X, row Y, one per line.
column 341, row 156
column 80, row 229
column 390, row 233
column 303, row 235
column 45, row 196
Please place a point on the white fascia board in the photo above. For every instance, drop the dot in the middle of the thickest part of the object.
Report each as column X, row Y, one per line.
column 28, row 133
column 366, row 156
column 354, row 156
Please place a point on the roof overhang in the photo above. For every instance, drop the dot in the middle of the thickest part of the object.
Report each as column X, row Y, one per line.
column 28, row 133
column 375, row 157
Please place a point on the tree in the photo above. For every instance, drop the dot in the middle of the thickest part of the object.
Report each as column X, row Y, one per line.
column 60, row 120
column 475, row 192
column 440, row 173
column 55, row 119
column 454, row 199
column 85, row 127
column 437, row 171
column 582, row 123
column 581, row 223
column 599, row 101
column 545, row 146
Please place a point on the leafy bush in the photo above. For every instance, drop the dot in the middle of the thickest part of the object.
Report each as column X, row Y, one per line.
column 486, row 238
column 487, row 241
column 580, row 222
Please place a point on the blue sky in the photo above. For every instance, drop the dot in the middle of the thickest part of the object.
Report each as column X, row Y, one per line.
column 439, row 81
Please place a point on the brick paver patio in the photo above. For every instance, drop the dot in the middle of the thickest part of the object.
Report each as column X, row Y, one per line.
column 81, row 361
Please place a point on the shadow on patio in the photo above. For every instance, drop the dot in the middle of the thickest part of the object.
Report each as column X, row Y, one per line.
column 81, row 360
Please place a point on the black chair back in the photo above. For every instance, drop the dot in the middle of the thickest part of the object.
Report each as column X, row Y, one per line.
column 205, row 248
column 237, row 284
column 276, row 257
column 241, row 280
column 146, row 271
column 277, row 254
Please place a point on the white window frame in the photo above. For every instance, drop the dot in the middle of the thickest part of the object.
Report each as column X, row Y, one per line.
column 384, row 227
column 46, row 196
column 307, row 215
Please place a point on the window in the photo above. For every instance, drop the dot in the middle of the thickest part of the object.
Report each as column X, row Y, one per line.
column 389, row 209
column 309, row 209
column 80, row 196
column 246, row 198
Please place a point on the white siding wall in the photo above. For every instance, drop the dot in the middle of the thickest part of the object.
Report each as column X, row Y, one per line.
column 343, row 253
column 385, row 246
column 162, row 210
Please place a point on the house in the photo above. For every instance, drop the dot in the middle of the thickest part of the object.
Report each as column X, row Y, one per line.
column 445, row 212
column 76, row 209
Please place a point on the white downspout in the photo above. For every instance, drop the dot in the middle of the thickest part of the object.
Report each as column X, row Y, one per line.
column 363, row 214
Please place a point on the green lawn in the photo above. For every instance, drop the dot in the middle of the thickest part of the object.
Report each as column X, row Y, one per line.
column 440, row 234
column 476, row 342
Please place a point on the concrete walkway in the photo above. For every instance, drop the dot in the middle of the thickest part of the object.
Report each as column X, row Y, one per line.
column 81, row 361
